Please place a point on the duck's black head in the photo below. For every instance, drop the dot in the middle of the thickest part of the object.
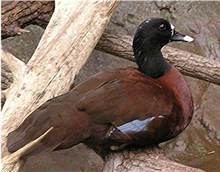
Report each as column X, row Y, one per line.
column 149, row 38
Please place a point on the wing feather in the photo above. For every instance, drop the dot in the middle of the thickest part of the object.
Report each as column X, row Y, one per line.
column 127, row 97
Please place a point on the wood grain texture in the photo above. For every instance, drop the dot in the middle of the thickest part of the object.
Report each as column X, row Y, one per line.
column 150, row 160
column 17, row 14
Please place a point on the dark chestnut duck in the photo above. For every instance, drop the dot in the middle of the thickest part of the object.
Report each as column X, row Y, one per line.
column 112, row 109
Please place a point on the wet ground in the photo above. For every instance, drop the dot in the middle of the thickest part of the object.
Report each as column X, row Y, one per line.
column 199, row 144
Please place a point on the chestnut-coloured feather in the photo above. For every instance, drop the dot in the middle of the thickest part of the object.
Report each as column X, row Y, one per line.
column 130, row 96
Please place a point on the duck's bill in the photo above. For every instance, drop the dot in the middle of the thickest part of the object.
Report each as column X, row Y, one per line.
column 180, row 37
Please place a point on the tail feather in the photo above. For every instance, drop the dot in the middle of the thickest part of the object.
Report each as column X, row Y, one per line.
column 54, row 140
column 66, row 132
column 25, row 133
column 33, row 147
column 18, row 139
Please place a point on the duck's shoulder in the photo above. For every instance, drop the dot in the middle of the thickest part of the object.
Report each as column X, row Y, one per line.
column 109, row 76
column 122, row 77
column 175, row 81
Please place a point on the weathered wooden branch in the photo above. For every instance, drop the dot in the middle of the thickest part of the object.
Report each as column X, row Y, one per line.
column 12, row 69
column 149, row 160
column 110, row 42
column 6, row 76
column 71, row 35
column 17, row 14
column 15, row 65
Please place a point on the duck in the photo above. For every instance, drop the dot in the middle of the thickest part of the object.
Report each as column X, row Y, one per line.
column 116, row 108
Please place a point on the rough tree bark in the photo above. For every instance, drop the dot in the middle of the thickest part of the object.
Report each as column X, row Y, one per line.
column 52, row 68
column 19, row 14
column 52, row 65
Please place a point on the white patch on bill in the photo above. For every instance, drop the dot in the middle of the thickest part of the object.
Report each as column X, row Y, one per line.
column 188, row 38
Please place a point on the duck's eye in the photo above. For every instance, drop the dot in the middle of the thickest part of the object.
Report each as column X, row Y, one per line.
column 162, row 27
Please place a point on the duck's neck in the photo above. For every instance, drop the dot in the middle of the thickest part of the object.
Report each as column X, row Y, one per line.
column 152, row 63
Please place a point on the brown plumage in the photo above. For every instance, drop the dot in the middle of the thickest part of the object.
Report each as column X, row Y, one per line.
column 113, row 108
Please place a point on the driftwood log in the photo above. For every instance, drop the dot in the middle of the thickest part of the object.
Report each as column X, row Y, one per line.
column 146, row 160
column 37, row 81
column 17, row 14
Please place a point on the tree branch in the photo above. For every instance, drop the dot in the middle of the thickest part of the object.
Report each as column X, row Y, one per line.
column 15, row 65
column 12, row 65
column 18, row 14
column 149, row 160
